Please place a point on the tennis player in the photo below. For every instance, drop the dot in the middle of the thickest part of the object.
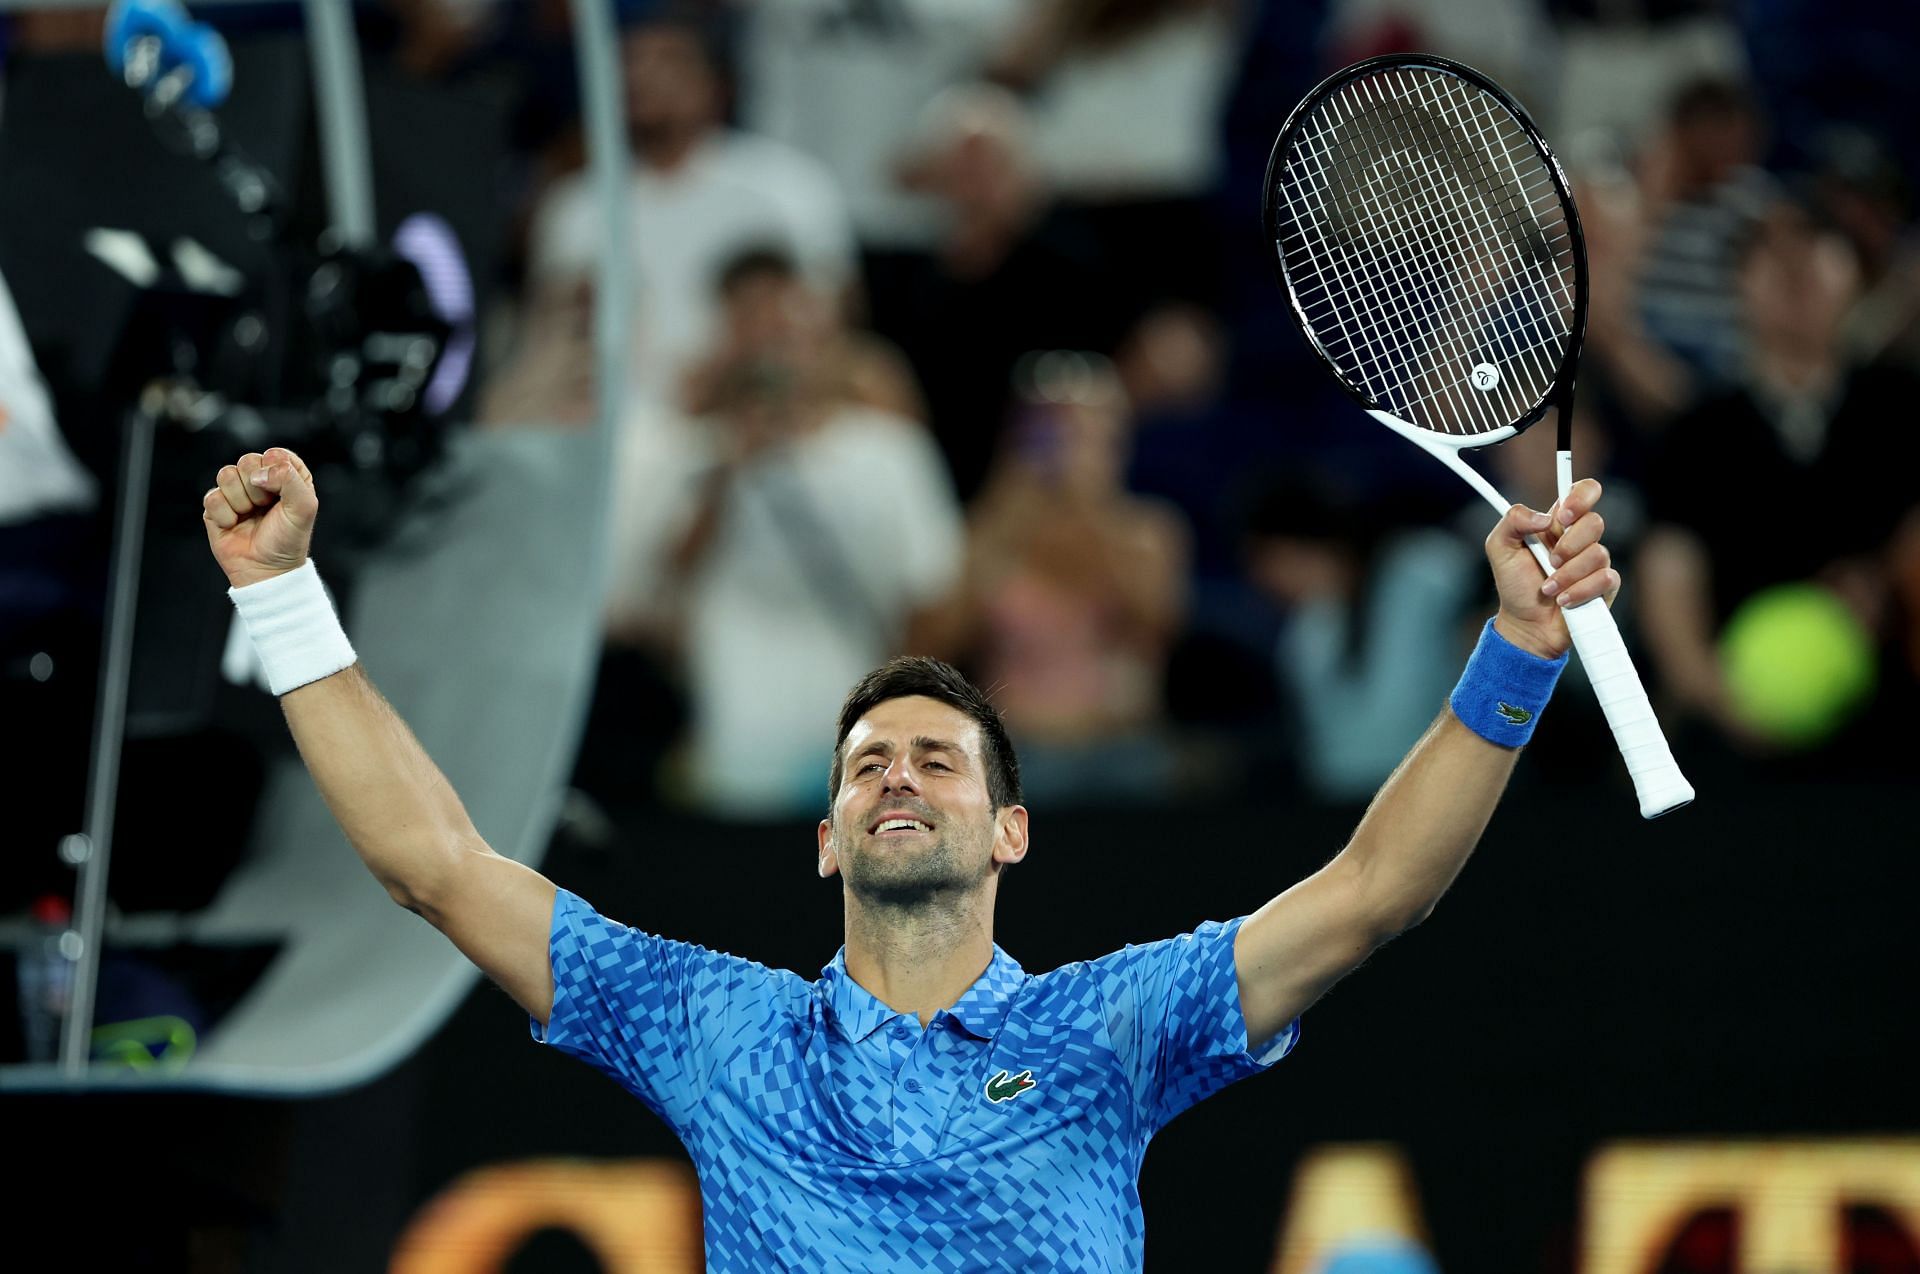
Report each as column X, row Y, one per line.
column 926, row 1103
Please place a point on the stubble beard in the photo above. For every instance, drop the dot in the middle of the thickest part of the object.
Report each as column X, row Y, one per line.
column 922, row 879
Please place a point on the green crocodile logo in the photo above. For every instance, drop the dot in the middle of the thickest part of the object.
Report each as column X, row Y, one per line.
column 1513, row 715
column 1005, row 1087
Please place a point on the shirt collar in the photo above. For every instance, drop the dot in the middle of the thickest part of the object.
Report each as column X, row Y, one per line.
column 856, row 1013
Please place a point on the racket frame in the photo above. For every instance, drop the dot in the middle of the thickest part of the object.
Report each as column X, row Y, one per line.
column 1560, row 393
column 1657, row 779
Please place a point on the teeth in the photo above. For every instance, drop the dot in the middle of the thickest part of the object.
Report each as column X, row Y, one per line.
column 893, row 824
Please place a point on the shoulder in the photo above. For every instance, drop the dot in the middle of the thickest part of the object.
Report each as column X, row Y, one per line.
column 867, row 437
column 1153, row 522
column 564, row 195
column 752, row 157
column 1137, row 959
column 613, row 947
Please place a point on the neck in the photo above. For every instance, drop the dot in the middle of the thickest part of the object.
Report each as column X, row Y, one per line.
column 1793, row 369
column 984, row 236
column 923, row 959
column 666, row 149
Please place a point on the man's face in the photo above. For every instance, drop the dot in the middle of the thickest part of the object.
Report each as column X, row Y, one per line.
column 670, row 85
column 1797, row 284
column 912, row 821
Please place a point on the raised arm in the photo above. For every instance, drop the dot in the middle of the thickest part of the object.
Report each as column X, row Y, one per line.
column 1429, row 814
column 397, row 809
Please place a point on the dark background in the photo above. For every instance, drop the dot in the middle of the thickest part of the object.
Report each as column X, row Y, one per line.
column 1735, row 969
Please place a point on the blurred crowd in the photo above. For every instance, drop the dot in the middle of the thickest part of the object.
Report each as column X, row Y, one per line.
column 954, row 334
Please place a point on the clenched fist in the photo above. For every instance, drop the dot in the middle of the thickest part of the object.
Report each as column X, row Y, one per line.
column 1582, row 569
column 260, row 515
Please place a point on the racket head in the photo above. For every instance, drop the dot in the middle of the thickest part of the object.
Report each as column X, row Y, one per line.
column 1424, row 231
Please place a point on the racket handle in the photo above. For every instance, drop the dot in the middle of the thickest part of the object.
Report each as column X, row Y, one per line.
column 1616, row 683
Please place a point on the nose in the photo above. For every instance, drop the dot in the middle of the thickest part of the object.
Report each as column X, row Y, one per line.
column 900, row 777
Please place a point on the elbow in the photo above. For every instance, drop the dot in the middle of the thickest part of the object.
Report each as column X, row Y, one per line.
column 1412, row 917
column 1394, row 916
column 431, row 874
column 403, row 895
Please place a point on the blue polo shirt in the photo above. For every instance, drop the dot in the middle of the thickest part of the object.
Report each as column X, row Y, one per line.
column 832, row 1133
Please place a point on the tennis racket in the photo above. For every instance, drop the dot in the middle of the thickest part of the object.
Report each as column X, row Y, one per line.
column 1429, row 245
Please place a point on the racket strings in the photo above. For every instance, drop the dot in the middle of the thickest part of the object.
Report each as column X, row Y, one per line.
column 1554, row 294
column 1449, row 169
column 1496, row 233
column 1501, row 233
column 1425, row 242
column 1392, row 265
column 1397, row 345
column 1400, row 320
column 1417, row 182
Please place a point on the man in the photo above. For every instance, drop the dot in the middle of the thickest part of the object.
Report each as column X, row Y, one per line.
column 926, row 1104
column 53, row 554
column 784, row 598
column 1800, row 418
column 700, row 194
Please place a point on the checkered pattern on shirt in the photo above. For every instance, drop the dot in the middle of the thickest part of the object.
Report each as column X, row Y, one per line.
column 830, row 1132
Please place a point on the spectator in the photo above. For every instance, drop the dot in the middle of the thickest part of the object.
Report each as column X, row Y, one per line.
column 1012, row 274
column 1126, row 100
column 825, row 532
column 1510, row 40
column 1701, row 192
column 1868, row 198
column 767, row 312
column 1371, row 610
column 53, row 558
column 1075, row 591
column 700, row 194
column 1800, row 420
column 845, row 82
column 39, row 478
column 1127, row 93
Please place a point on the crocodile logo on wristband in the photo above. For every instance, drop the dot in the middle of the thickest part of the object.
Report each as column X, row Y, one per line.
column 1512, row 715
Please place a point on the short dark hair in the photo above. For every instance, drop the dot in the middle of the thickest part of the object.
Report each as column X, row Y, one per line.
column 1711, row 97
column 710, row 28
column 761, row 261
column 907, row 675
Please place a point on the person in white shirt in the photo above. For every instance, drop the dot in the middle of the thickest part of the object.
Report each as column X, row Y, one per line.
column 38, row 474
column 827, row 535
column 846, row 82
column 52, row 552
column 701, row 193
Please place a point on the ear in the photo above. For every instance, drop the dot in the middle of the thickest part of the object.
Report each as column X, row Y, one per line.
column 1010, row 835
column 829, row 861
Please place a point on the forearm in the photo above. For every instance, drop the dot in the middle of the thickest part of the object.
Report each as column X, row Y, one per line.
column 1424, row 822
column 1677, row 616
column 396, row 807
column 1653, row 383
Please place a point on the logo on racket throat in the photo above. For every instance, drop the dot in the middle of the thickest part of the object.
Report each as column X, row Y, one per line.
column 1512, row 715
column 1485, row 377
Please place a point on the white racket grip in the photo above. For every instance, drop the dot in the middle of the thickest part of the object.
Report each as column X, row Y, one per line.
column 1616, row 683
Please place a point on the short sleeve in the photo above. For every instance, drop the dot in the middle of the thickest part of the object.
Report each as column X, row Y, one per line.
column 564, row 241
column 658, row 1016
column 815, row 216
column 931, row 538
column 1174, row 1017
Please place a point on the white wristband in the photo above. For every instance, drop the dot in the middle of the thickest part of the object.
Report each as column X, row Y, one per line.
column 294, row 629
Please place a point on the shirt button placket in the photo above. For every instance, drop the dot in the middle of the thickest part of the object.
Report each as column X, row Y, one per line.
column 916, row 1124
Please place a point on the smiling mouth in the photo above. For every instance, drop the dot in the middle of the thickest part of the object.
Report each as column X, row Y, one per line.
column 899, row 826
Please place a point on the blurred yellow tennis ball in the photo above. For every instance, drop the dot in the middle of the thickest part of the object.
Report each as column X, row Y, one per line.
column 1797, row 663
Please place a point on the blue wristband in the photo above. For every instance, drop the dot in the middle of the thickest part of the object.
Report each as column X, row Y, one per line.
column 1504, row 690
